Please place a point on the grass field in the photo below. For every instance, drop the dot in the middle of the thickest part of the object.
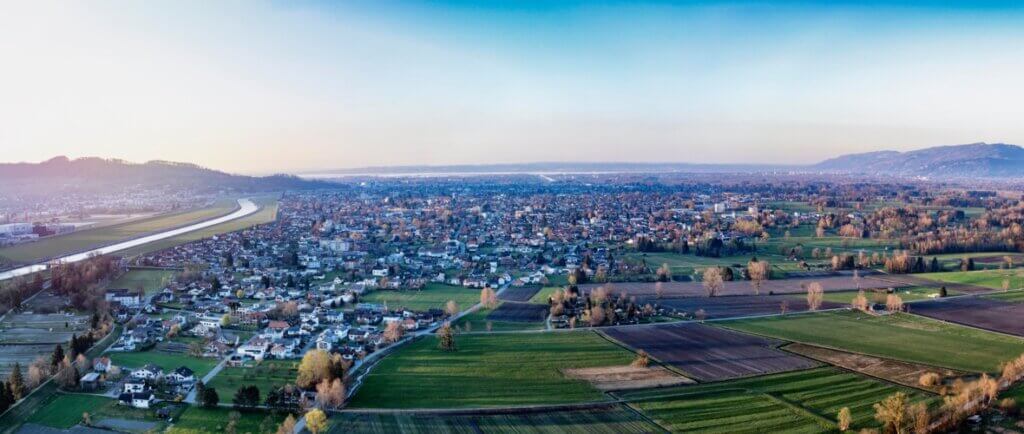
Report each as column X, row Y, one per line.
column 1011, row 296
column 477, row 322
column 988, row 278
column 266, row 214
column 267, row 375
column 801, row 402
column 542, row 295
column 489, row 370
column 149, row 281
column 900, row 336
column 168, row 362
column 91, row 238
column 203, row 420
column 65, row 411
column 611, row 420
column 433, row 296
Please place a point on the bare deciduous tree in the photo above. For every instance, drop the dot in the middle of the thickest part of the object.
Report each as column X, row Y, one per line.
column 815, row 295
column 712, row 281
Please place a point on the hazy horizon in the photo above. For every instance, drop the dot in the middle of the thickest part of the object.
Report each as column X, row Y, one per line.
column 267, row 87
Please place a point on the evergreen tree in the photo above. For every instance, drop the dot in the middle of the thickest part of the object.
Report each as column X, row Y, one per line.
column 16, row 383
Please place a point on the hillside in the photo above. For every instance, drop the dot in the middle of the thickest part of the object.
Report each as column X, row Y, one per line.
column 91, row 174
column 976, row 160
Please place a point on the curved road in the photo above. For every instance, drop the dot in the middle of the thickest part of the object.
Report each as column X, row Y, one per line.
column 245, row 207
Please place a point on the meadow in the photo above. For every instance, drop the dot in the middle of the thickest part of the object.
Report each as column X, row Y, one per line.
column 266, row 214
column 266, row 375
column 802, row 402
column 195, row 420
column 904, row 337
column 433, row 296
column 167, row 361
column 150, row 281
column 489, row 370
column 477, row 321
column 65, row 410
column 91, row 238
column 987, row 278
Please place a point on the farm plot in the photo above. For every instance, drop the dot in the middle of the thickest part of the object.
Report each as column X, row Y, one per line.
column 522, row 294
column 489, row 370
column 25, row 336
column 959, row 282
column 708, row 353
column 608, row 378
column 905, row 337
column 739, row 305
column 907, row 374
column 477, row 321
column 608, row 419
column 519, row 312
column 197, row 420
column 985, row 313
column 801, row 402
column 743, row 287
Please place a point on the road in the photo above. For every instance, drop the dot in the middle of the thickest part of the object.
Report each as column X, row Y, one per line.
column 245, row 207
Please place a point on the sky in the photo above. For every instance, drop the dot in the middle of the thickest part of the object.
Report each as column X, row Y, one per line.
column 307, row 86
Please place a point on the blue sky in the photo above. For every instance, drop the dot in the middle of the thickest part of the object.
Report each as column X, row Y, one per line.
column 290, row 86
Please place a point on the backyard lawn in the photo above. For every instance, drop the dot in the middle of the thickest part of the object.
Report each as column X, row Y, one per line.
column 149, row 281
column 167, row 361
column 489, row 370
column 899, row 336
column 267, row 375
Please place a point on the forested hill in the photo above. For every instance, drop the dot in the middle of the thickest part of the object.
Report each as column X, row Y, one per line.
column 93, row 174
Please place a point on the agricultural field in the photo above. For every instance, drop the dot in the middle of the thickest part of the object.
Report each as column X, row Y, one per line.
column 795, row 402
column 477, row 321
column 197, row 420
column 1012, row 296
column 26, row 336
column 489, row 370
column 433, row 296
column 541, row 297
column 521, row 294
column 743, row 287
column 708, row 353
column 610, row 419
column 914, row 293
column 166, row 360
column 985, row 313
column 905, row 337
column 267, row 213
column 992, row 279
column 150, row 281
column 519, row 313
column 907, row 374
column 267, row 375
column 65, row 410
column 91, row 238
column 740, row 305
column 609, row 378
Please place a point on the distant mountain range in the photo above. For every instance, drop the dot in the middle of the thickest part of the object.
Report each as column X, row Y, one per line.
column 976, row 160
column 97, row 174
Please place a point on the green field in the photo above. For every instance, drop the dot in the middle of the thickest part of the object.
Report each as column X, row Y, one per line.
column 1014, row 296
column 150, row 281
column 802, row 402
column 987, row 278
column 433, row 296
column 65, row 410
column 203, row 420
column 92, row 238
column 541, row 297
column 477, row 322
column 167, row 361
column 613, row 420
column 900, row 336
column 266, row 214
column 489, row 370
column 267, row 375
